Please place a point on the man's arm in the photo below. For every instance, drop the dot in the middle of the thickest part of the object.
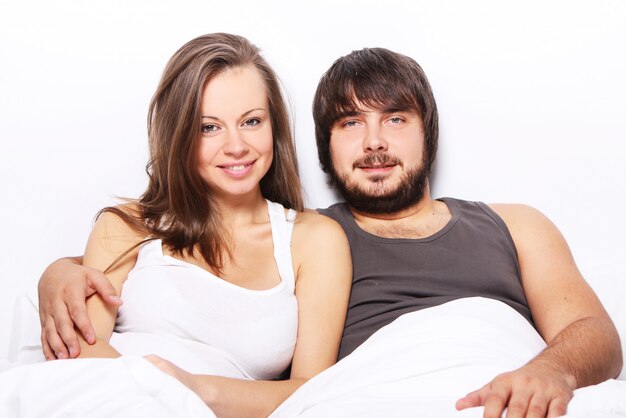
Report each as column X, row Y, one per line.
column 63, row 288
column 583, row 346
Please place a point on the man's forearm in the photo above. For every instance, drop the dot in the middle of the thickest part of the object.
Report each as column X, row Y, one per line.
column 586, row 352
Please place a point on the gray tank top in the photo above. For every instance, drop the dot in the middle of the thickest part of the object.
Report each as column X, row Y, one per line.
column 473, row 255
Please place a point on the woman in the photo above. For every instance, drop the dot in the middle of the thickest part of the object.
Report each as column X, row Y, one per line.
column 221, row 276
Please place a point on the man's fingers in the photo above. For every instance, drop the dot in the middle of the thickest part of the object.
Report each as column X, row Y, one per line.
column 558, row 407
column 67, row 332
column 472, row 399
column 494, row 406
column 77, row 309
column 43, row 314
column 516, row 405
column 99, row 283
column 47, row 351
column 495, row 403
column 524, row 393
column 54, row 341
column 538, row 406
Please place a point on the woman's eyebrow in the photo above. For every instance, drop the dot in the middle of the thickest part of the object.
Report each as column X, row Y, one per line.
column 242, row 116
column 251, row 110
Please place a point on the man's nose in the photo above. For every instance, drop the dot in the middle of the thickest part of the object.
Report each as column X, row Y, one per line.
column 374, row 140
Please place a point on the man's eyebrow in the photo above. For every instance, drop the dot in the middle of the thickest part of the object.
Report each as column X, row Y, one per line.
column 348, row 113
column 396, row 109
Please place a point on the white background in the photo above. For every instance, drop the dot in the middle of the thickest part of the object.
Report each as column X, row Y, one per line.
column 532, row 100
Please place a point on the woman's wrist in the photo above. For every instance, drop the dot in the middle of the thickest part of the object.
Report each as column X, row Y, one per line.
column 206, row 388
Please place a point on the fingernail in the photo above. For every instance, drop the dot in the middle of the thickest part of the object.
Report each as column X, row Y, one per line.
column 115, row 298
column 61, row 356
column 89, row 338
column 72, row 352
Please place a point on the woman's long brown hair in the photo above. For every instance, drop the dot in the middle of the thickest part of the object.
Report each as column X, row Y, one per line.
column 177, row 206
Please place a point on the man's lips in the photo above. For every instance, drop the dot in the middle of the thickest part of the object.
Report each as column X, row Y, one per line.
column 376, row 163
column 375, row 166
column 377, row 169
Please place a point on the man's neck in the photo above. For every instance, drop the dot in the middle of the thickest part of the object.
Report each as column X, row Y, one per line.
column 421, row 220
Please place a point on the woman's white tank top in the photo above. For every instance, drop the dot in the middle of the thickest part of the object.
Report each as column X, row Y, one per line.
column 205, row 324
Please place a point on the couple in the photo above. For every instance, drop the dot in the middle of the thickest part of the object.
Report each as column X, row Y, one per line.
column 214, row 254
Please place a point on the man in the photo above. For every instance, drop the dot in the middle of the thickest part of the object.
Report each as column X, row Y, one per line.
column 377, row 131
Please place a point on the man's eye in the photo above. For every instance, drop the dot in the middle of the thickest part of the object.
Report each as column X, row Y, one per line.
column 395, row 119
column 252, row 122
column 349, row 123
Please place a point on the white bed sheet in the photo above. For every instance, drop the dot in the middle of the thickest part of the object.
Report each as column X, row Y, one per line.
column 420, row 364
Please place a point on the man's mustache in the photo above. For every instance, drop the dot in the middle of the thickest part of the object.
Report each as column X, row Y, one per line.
column 377, row 160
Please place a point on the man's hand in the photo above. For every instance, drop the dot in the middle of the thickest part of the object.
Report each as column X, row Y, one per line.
column 532, row 391
column 63, row 288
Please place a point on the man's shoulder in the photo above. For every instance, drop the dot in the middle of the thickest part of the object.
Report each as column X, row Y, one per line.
column 478, row 206
column 521, row 216
column 335, row 210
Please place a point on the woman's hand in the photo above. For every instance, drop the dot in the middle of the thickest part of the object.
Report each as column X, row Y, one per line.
column 194, row 382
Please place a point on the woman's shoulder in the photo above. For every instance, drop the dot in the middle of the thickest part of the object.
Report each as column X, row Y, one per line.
column 310, row 218
column 319, row 246
column 119, row 220
column 313, row 227
column 113, row 243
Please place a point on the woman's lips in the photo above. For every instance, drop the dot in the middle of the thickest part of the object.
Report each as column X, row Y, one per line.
column 238, row 169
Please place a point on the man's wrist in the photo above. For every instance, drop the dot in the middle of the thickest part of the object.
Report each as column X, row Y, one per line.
column 551, row 367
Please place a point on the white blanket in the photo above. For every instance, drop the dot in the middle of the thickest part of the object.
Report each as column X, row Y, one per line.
column 419, row 365
column 128, row 386
column 96, row 388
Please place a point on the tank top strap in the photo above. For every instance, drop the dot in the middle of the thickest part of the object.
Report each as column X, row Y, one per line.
column 282, row 228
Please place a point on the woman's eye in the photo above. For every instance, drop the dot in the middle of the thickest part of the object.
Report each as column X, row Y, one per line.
column 252, row 122
column 208, row 128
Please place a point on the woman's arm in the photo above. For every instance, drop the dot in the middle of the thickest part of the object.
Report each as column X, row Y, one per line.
column 229, row 397
column 62, row 290
column 323, row 270
column 324, row 279
column 108, row 240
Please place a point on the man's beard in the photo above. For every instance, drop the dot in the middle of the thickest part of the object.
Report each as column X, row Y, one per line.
column 378, row 198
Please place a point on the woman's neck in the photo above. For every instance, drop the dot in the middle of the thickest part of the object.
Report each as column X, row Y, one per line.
column 242, row 210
